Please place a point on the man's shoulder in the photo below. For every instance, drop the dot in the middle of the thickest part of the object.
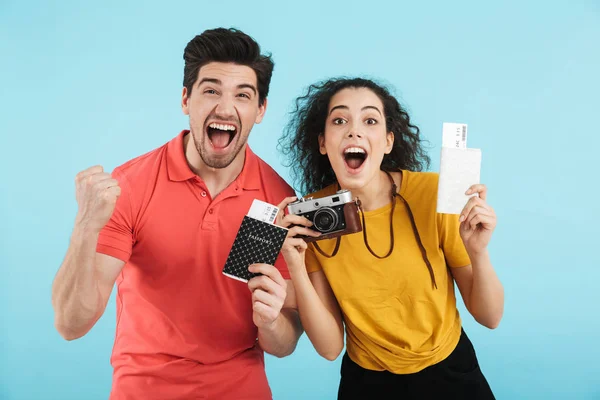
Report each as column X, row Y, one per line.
column 271, row 177
column 140, row 167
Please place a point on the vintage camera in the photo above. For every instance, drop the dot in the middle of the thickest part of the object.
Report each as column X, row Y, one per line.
column 333, row 216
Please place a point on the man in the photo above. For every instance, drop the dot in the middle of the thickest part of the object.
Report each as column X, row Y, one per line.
column 161, row 227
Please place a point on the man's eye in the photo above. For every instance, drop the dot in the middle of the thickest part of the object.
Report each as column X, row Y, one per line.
column 371, row 121
column 210, row 91
column 244, row 95
column 339, row 121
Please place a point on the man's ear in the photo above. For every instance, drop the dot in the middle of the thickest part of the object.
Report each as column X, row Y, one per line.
column 389, row 145
column 261, row 112
column 322, row 149
column 184, row 101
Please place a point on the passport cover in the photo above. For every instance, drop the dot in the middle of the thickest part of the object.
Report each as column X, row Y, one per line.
column 256, row 242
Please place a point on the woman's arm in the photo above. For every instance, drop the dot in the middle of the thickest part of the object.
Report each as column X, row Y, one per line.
column 317, row 306
column 481, row 291
column 319, row 311
column 478, row 283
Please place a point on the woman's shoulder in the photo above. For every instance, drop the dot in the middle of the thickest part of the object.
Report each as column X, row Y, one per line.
column 420, row 179
column 326, row 191
column 419, row 184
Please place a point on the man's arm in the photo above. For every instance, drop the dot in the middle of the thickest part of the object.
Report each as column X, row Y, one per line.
column 85, row 279
column 274, row 311
column 83, row 285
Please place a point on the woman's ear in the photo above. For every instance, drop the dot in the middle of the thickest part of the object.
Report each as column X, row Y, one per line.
column 322, row 149
column 389, row 145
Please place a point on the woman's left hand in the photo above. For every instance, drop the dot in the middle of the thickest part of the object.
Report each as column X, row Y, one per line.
column 477, row 221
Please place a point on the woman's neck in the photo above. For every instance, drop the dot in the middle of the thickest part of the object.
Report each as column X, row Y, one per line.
column 376, row 193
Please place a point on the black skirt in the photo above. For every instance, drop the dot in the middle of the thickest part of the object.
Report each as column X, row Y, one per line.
column 456, row 377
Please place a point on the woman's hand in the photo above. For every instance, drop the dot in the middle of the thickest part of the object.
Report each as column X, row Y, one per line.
column 294, row 248
column 477, row 221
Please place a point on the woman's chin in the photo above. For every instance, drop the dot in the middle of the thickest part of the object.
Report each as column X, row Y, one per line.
column 353, row 178
column 353, row 182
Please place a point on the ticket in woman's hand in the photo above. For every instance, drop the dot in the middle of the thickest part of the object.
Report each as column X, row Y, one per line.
column 460, row 168
column 454, row 135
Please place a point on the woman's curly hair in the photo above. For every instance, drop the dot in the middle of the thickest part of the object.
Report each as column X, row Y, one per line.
column 311, row 171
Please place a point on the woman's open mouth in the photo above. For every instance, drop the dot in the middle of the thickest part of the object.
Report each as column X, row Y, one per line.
column 221, row 135
column 354, row 158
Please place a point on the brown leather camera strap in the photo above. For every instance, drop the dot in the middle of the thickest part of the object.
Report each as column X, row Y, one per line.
column 414, row 226
column 335, row 250
column 394, row 194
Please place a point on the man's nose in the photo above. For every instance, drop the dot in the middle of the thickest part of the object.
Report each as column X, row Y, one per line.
column 225, row 108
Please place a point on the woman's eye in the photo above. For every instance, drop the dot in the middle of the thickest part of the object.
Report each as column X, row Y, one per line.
column 339, row 121
column 371, row 121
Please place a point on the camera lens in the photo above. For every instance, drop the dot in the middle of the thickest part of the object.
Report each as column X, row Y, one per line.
column 325, row 219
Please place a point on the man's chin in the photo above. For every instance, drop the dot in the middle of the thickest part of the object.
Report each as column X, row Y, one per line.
column 220, row 161
column 219, row 158
column 217, row 162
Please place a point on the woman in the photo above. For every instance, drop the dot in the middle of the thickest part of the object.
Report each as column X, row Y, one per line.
column 392, row 285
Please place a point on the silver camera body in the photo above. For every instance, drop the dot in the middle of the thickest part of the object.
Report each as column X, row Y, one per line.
column 326, row 213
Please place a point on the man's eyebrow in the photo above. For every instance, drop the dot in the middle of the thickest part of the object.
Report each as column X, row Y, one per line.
column 209, row 80
column 218, row 82
column 248, row 86
column 338, row 107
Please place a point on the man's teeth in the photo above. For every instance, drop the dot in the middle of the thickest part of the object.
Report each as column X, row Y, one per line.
column 222, row 127
column 354, row 150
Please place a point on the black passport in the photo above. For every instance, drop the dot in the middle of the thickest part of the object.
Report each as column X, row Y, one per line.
column 256, row 242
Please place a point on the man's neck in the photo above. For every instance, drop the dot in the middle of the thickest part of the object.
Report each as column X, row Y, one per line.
column 216, row 179
column 376, row 193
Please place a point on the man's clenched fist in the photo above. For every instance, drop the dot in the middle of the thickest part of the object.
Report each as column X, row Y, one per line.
column 96, row 192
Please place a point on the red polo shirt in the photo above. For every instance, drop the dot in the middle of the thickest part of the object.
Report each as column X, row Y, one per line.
column 184, row 330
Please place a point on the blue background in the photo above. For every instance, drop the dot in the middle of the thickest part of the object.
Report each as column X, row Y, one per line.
column 86, row 83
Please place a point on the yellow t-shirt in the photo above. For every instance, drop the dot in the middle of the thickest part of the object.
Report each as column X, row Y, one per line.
column 395, row 320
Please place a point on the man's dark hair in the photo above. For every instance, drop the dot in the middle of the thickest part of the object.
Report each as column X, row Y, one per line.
column 227, row 46
column 311, row 170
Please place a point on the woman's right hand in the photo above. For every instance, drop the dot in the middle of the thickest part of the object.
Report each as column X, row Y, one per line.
column 294, row 248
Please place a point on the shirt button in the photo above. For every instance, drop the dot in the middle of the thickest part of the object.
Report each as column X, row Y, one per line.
column 203, row 194
column 210, row 211
column 236, row 188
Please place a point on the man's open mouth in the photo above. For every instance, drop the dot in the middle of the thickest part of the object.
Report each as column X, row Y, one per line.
column 221, row 134
column 354, row 157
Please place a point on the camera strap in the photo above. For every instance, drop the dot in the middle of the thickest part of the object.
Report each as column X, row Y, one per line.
column 394, row 193
column 335, row 249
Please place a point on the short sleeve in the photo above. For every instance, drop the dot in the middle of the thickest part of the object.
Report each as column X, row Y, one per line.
column 311, row 260
column 451, row 242
column 116, row 238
